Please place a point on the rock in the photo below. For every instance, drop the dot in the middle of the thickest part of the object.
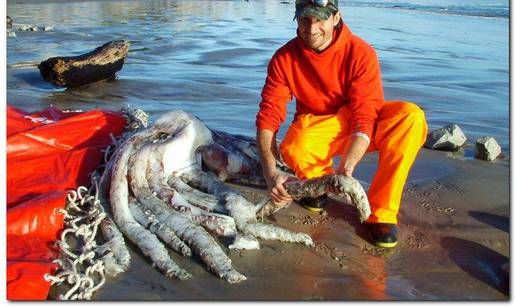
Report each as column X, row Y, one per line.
column 11, row 34
column 486, row 148
column 449, row 137
column 9, row 22
column 24, row 27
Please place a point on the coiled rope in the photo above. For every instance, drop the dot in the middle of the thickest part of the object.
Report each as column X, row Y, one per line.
column 81, row 267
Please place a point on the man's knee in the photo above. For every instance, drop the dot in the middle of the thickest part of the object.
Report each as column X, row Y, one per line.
column 412, row 111
column 415, row 117
column 405, row 120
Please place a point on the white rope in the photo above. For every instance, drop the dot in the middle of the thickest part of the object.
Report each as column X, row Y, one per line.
column 82, row 269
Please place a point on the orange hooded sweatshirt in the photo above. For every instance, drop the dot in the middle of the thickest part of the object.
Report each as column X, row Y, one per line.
column 345, row 73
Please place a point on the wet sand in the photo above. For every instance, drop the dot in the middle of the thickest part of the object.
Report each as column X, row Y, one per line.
column 453, row 243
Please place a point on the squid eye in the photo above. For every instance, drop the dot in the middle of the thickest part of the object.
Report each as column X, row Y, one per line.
column 161, row 136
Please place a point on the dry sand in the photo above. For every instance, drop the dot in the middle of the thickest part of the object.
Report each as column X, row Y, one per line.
column 453, row 243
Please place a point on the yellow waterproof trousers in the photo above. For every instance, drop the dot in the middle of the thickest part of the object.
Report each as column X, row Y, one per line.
column 399, row 132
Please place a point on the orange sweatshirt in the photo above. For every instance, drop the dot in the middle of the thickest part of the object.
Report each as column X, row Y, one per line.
column 346, row 73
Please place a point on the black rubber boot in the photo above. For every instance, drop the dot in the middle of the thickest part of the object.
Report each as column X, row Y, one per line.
column 314, row 204
column 383, row 234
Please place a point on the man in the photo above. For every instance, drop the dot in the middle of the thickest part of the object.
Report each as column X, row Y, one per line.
column 340, row 110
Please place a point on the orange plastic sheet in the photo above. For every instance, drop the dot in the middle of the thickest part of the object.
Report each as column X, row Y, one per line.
column 48, row 153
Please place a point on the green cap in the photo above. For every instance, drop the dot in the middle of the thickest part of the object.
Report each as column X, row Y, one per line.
column 316, row 9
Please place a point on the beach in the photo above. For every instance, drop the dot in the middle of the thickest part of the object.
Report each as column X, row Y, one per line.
column 453, row 243
column 210, row 58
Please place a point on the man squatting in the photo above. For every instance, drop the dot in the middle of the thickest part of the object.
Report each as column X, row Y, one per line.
column 340, row 110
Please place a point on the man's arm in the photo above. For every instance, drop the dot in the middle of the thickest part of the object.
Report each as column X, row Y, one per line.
column 366, row 97
column 273, row 111
column 355, row 150
column 266, row 140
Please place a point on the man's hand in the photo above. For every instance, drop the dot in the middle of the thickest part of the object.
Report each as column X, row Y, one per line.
column 346, row 167
column 267, row 149
column 276, row 189
column 357, row 147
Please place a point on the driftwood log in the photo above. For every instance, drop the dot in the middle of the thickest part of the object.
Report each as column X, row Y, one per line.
column 100, row 64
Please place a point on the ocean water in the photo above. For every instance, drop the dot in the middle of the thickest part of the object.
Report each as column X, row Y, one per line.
column 210, row 57
column 474, row 8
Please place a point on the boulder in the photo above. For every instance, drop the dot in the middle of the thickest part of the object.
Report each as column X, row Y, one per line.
column 24, row 27
column 449, row 137
column 486, row 148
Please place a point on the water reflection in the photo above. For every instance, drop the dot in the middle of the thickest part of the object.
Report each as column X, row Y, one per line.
column 375, row 280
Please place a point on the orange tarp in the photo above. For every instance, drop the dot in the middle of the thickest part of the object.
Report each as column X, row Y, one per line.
column 48, row 153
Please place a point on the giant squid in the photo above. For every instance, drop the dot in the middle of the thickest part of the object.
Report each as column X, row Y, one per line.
column 167, row 190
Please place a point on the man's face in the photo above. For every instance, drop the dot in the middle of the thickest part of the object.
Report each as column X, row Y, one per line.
column 316, row 33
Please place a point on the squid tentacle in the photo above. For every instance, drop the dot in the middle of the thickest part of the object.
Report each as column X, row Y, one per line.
column 195, row 197
column 243, row 211
column 147, row 219
column 148, row 243
column 197, row 238
column 222, row 225
column 341, row 185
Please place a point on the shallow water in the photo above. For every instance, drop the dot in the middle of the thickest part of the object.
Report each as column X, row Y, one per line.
column 210, row 57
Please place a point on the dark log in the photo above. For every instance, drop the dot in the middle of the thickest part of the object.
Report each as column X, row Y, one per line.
column 100, row 64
